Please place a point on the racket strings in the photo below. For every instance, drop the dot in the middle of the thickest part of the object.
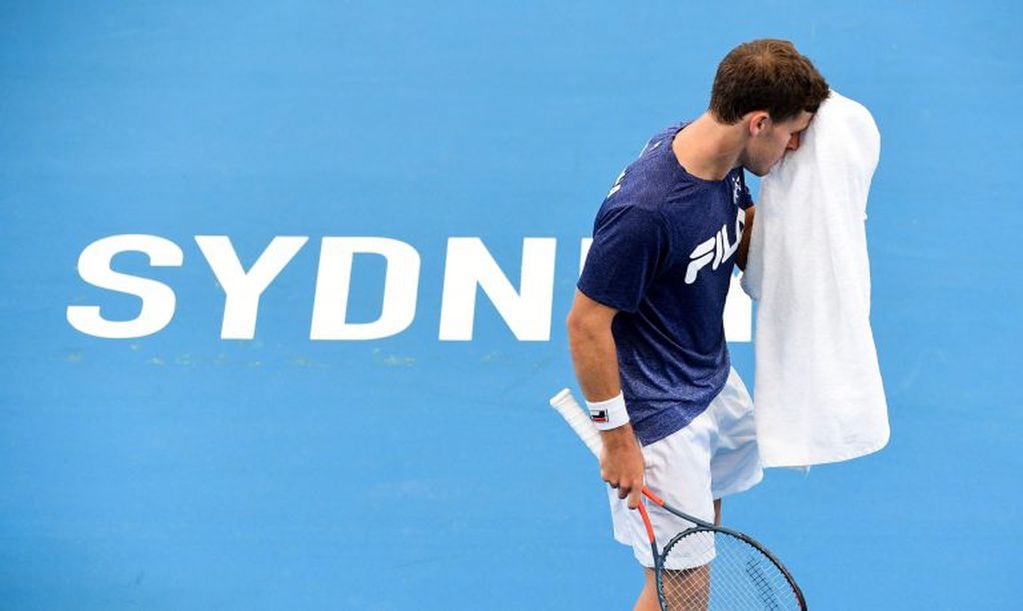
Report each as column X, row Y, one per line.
column 708, row 571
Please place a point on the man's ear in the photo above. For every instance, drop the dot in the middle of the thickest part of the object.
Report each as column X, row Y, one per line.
column 758, row 121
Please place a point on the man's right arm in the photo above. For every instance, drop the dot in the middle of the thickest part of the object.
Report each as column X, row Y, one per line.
column 596, row 367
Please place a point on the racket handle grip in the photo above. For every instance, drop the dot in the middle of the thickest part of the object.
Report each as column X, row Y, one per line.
column 578, row 419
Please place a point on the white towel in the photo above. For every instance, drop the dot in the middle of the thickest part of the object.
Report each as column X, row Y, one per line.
column 818, row 391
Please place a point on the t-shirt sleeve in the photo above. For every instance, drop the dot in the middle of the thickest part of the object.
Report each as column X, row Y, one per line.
column 629, row 247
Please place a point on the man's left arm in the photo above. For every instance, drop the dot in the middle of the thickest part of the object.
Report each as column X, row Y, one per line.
column 747, row 231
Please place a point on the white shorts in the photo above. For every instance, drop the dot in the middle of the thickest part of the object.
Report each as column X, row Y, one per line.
column 714, row 456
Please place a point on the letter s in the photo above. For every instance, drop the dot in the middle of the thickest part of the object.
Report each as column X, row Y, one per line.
column 158, row 300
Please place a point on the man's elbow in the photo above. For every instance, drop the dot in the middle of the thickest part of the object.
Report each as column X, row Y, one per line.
column 575, row 324
column 586, row 326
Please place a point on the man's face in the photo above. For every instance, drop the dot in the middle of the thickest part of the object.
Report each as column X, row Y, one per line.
column 772, row 141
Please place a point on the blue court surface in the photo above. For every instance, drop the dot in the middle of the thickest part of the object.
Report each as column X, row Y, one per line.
column 275, row 451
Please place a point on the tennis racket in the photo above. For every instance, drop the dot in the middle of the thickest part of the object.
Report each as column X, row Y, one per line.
column 704, row 567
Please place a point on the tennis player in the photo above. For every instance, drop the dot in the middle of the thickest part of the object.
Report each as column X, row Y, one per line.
column 646, row 330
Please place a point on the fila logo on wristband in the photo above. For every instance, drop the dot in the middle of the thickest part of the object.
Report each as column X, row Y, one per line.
column 609, row 414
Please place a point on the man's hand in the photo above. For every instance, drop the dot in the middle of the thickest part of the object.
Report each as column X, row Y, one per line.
column 621, row 463
column 742, row 254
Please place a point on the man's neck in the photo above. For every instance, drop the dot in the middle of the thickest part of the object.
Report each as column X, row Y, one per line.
column 708, row 149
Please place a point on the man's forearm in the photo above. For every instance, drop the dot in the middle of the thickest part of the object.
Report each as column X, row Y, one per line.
column 596, row 367
column 595, row 360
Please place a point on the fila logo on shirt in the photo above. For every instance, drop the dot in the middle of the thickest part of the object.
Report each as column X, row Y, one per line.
column 715, row 250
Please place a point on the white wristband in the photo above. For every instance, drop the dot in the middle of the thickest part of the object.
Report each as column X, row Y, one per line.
column 610, row 414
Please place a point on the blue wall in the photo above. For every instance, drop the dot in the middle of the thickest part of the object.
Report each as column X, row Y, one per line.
column 181, row 470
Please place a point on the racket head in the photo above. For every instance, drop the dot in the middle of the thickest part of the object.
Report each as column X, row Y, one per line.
column 713, row 568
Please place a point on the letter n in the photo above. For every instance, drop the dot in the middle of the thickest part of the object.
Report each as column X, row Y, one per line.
column 527, row 311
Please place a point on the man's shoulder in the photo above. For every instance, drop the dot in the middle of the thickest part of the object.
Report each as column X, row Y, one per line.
column 638, row 207
column 647, row 181
column 657, row 150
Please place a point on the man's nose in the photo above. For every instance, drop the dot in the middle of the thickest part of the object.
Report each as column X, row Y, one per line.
column 793, row 143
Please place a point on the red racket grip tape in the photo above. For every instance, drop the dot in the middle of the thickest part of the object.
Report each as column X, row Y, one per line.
column 646, row 523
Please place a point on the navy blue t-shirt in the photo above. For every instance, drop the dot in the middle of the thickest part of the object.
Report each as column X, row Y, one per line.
column 663, row 250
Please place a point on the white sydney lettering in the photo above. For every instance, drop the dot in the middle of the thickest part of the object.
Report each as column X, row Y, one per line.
column 469, row 269
column 526, row 312
column 158, row 300
column 333, row 281
column 242, row 289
